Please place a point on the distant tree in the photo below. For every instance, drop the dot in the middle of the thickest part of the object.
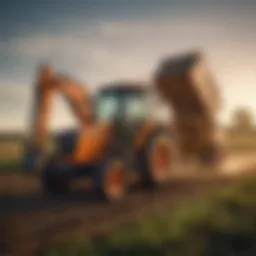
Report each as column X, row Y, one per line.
column 243, row 119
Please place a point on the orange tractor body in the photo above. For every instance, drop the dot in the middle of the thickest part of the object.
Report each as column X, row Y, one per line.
column 115, row 136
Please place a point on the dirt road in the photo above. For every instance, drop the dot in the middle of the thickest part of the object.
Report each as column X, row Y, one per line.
column 31, row 222
column 27, row 228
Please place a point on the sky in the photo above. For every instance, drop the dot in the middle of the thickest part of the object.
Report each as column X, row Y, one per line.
column 97, row 42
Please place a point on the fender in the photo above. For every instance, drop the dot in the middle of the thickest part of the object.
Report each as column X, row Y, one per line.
column 143, row 134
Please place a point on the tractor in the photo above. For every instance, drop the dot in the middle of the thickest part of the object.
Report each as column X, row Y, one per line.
column 117, row 137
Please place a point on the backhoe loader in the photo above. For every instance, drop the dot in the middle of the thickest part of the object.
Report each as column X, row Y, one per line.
column 117, row 134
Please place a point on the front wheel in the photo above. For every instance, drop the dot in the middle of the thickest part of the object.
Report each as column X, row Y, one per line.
column 110, row 179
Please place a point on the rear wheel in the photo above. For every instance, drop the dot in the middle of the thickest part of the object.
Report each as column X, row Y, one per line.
column 110, row 180
column 157, row 159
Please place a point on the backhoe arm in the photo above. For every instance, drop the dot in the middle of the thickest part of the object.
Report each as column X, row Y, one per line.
column 47, row 85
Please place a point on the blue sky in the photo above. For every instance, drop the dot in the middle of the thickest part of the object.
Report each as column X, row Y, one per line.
column 97, row 41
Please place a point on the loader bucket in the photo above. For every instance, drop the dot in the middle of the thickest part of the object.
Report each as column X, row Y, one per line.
column 187, row 86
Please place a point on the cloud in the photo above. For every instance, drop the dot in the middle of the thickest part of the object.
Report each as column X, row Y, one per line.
column 109, row 50
column 128, row 47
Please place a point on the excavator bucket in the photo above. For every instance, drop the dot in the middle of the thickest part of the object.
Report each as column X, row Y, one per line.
column 187, row 86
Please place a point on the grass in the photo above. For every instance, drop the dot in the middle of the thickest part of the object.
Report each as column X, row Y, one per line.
column 221, row 224
column 10, row 155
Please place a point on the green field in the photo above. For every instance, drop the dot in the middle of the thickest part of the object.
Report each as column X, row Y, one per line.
column 222, row 224
column 10, row 155
column 11, row 149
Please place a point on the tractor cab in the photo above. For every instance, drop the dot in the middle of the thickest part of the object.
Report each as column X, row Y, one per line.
column 127, row 103
column 126, row 108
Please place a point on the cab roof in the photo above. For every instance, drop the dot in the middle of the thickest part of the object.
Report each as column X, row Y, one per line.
column 123, row 87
